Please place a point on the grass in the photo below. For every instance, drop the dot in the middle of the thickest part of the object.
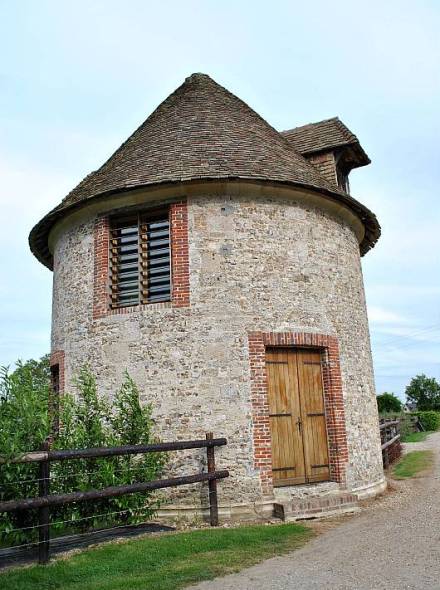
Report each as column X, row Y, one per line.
column 165, row 562
column 413, row 463
column 414, row 437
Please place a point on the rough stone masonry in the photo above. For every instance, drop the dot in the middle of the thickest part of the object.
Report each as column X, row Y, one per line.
column 266, row 264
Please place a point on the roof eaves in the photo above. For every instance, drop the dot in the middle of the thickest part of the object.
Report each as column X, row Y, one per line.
column 38, row 237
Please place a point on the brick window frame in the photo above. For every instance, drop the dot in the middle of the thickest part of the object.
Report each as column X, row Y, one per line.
column 56, row 363
column 180, row 288
column 333, row 400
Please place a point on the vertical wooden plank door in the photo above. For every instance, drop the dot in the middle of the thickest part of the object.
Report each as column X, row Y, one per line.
column 284, row 410
column 297, row 417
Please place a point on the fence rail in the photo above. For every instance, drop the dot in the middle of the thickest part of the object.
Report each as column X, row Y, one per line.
column 390, row 441
column 44, row 501
column 99, row 452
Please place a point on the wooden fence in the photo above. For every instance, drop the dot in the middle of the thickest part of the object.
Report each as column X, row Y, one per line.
column 390, row 439
column 44, row 501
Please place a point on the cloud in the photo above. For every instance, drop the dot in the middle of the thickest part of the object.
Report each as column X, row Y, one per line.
column 380, row 315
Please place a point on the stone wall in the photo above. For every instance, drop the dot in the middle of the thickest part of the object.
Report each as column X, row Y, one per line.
column 267, row 264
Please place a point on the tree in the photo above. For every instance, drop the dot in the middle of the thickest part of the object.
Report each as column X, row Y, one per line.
column 425, row 392
column 23, row 406
column 388, row 402
column 29, row 375
column 24, row 424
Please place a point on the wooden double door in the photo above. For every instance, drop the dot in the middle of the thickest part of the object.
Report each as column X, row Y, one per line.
column 297, row 416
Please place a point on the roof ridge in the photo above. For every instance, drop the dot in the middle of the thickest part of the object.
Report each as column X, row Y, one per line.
column 285, row 131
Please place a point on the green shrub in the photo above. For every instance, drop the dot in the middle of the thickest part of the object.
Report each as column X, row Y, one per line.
column 86, row 421
column 430, row 419
column 24, row 426
column 388, row 402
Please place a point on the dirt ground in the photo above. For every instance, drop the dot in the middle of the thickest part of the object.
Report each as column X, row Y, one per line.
column 392, row 544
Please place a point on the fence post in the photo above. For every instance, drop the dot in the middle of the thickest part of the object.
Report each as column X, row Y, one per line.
column 212, row 483
column 387, row 438
column 43, row 513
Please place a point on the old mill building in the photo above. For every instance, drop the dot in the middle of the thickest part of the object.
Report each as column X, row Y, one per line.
column 219, row 261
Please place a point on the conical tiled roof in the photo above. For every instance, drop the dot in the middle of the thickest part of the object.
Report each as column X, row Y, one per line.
column 201, row 131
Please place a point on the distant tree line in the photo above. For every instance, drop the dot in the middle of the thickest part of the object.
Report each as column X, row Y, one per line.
column 423, row 392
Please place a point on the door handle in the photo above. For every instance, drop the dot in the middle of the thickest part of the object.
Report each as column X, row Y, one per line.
column 299, row 423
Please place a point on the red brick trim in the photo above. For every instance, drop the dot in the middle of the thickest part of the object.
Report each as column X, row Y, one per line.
column 180, row 296
column 179, row 254
column 101, row 268
column 132, row 308
column 333, row 400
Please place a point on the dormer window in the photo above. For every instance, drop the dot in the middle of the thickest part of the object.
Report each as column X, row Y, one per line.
column 331, row 147
column 343, row 180
column 140, row 259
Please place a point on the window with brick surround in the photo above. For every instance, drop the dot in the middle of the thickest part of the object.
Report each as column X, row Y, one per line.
column 55, row 379
column 54, row 401
column 140, row 259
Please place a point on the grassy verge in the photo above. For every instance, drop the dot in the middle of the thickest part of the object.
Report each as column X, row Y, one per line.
column 412, row 464
column 413, row 437
column 167, row 562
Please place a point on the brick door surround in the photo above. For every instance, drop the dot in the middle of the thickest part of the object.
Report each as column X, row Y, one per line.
column 333, row 400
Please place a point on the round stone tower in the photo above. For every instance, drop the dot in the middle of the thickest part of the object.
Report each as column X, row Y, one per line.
column 218, row 260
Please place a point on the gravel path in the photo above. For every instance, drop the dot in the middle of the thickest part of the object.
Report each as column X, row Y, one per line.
column 393, row 544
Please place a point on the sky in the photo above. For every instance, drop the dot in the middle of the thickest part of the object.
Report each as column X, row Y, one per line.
column 76, row 78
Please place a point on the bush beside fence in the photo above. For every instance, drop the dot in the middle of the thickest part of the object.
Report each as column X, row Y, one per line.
column 414, row 421
column 46, row 501
column 429, row 419
column 86, row 421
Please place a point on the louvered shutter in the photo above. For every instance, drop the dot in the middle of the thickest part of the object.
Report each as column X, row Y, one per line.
column 140, row 260
column 156, row 260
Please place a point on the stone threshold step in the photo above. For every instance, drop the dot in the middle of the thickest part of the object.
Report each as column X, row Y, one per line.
column 296, row 509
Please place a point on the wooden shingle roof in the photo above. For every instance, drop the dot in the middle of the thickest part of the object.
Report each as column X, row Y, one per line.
column 200, row 132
